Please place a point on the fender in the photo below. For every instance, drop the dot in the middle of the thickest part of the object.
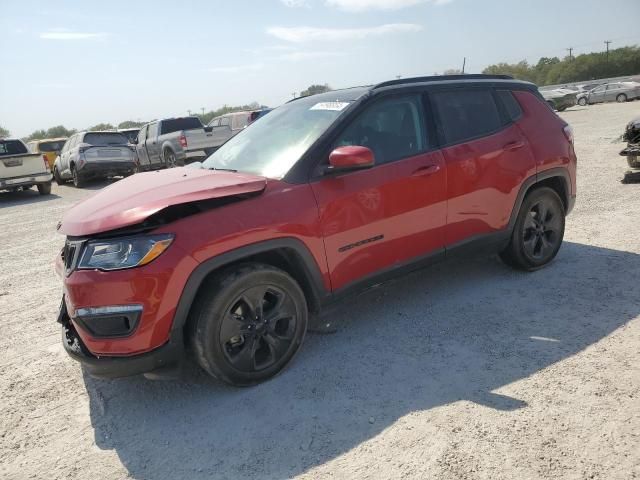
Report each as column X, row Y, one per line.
column 533, row 180
column 310, row 270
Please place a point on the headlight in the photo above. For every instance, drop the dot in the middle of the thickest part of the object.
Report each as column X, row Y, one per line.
column 120, row 253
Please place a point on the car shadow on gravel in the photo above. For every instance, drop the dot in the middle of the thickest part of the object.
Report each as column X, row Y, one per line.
column 24, row 197
column 455, row 332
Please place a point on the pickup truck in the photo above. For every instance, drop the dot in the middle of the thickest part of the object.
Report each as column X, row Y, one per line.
column 173, row 142
column 20, row 169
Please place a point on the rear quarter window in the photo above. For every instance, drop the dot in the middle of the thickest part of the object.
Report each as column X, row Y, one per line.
column 465, row 114
column 511, row 106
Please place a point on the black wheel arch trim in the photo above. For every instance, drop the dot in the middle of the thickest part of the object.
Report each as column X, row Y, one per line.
column 310, row 270
column 532, row 181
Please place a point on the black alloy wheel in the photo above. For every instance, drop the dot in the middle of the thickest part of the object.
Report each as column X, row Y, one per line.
column 542, row 229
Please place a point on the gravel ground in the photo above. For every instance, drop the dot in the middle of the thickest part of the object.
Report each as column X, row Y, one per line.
column 467, row 370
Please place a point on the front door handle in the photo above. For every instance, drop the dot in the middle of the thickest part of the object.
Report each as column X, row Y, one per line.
column 426, row 170
column 511, row 146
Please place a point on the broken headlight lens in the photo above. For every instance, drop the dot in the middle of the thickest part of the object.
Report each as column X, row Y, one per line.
column 120, row 253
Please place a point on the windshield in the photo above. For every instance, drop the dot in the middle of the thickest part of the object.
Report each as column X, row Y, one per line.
column 55, row 146
column 273, row 145
column 104, row 139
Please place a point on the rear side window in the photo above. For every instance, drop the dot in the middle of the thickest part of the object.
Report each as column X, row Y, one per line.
column 466, row 114
column 225, row 121
column 510, row 104
column 12, row 147
column 177, row 124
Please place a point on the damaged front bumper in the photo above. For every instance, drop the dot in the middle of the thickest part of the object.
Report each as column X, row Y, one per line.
column 165, row 357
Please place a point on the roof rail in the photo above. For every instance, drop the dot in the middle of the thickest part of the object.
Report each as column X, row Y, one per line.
column 433, row 78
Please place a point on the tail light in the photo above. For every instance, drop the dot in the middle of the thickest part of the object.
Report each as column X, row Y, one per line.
column 46, row 162
column 568, row 133
column 183, row 141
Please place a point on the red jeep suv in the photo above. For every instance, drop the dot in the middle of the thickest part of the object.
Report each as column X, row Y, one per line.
column 228, row 259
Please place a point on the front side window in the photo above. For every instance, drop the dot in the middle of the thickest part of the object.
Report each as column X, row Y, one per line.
column 392, row 128
column 466, row 114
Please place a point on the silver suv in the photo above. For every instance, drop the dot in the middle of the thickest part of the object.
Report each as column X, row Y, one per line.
column 88, row 155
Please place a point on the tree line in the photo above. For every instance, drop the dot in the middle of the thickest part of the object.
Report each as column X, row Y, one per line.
column 588, row 66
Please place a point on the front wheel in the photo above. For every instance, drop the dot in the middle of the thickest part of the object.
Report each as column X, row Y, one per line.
column 248, row 323
column 582, row 102
column 538, row 232
column 621, row 98
column 57, row 177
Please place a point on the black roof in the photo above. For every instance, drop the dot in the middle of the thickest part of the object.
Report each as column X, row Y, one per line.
column 442, row 78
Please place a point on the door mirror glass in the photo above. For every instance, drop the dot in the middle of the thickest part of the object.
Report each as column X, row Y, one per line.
column 208, row 129
column 350, row 158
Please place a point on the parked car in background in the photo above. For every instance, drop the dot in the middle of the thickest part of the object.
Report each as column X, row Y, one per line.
column 632, row 137
column 324, row 196
column 92, row 155
column 173, row 142
column 228, row 125
column 559, row 99
column 130, row 133
column 20, row 169
column 49, row 147
column 611, row 92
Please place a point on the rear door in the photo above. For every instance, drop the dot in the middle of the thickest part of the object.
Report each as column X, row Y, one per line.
column 152, row 145
column 487, row 159
column 613, row 89
column 141, row 148
column 393, row 213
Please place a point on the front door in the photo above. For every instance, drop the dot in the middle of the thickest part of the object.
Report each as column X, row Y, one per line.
column 393, row 213
column 141, row 149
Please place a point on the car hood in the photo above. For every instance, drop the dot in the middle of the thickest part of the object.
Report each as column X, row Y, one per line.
column 131, row 200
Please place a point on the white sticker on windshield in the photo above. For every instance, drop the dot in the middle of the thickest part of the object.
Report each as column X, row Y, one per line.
column 334, row 106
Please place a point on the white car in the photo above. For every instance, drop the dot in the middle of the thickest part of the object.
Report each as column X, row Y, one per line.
column 20, row 169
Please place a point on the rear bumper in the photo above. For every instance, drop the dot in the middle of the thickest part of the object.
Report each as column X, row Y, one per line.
column 16, row 182
column 106, row 168
column 165, row 356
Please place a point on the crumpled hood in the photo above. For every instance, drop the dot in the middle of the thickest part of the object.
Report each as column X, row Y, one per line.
column 133, row 199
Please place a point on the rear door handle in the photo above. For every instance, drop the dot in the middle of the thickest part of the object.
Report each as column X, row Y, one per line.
column 426, row 170
column 513, row 145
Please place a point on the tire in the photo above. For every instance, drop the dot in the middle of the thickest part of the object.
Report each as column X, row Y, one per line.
column 562, row 109
column 44, row 188
column 77, row 180
column 621, row 98
column 247, row 323
column 535, row 243
column 169, row 158
column 633, row 161
column 57, row 177
column 582, row 102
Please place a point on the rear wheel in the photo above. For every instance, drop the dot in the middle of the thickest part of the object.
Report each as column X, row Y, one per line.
column 538, row 232
column 44, row 188
column 169, row 158
column 621, row 98
column 248, row 323
column 57, row 177
column 77, row 181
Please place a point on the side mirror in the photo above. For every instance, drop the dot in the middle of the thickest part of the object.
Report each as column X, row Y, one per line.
column 134, row 141
column 344, row 159
column 208, row 129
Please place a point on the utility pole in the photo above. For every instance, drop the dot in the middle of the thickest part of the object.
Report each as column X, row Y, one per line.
column 570, row 49
column 189, row 112
column 202, row 111
column 607, row 42
column 464, row 63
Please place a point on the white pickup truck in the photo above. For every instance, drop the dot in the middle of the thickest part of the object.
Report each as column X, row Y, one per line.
column 20, row 169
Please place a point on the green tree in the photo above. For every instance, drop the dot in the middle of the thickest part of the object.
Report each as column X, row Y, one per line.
column 315, row 89
column 59, row 131
column 4, row 132
column 101, row 126
column 589, row 66
column 131, row 124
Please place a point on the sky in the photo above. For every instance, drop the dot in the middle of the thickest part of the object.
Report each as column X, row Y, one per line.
column 79, row 63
